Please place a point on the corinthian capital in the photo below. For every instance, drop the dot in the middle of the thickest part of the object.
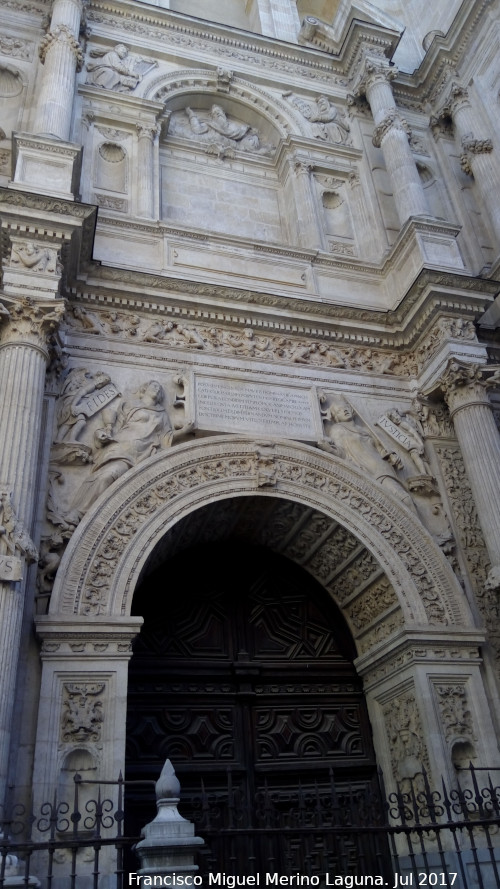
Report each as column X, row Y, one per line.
column 392, row 121
column 463, row 384
column 458, row 97
column 373, row 70
column 61, row 36
column 31, row 323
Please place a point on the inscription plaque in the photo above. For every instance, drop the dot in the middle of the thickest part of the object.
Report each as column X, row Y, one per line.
column 11, row 568
column 263, row 409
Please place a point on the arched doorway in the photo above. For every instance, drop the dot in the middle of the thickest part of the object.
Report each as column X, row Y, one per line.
column 243, row 676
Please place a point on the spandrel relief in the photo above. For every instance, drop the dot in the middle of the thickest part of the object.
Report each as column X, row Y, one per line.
column 390, row 448
column 215, row 128
column 100, row 435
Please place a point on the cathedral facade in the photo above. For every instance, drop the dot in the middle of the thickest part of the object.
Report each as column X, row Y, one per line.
column 250, row 372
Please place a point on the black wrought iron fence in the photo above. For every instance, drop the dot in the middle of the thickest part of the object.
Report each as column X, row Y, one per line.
column 68, row 843
column 417, row 835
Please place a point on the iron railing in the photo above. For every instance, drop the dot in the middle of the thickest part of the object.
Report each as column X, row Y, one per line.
column 417, row 835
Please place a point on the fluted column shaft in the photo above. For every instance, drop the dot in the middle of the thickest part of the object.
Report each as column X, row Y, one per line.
column 479, row 441
column 61, row 55
column 146, row 167
column 391, row 135
column 478, row 157
column 23, row 359
column 310, row 234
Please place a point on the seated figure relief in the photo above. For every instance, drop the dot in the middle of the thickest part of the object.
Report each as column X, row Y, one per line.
column 116, row 69
column 216, row 128
column 327, row 122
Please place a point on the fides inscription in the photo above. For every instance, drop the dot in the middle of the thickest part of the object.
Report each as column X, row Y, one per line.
column 238, row 406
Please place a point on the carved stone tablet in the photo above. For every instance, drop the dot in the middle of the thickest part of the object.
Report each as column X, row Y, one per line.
column 238, row 406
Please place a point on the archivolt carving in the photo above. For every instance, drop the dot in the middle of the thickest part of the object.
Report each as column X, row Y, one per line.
column 113, row 542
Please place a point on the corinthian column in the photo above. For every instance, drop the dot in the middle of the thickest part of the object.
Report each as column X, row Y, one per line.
column 391, row 135
column 23, row 359
column 478, row 158
column 61, row 56
column 465, row 391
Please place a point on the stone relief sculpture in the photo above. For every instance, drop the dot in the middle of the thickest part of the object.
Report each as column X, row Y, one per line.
column 132, row 433
column 327, row 122
column 35, row 258
column 116, row 69
column 100, row 435
column 216, row 129
column 407, row 431
column 404, row 731
column 72, row 413
column 12, row 531
column 350, row 438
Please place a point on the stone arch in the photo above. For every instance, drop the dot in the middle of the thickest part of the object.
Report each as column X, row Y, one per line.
column 176, row 88
column 111, row 546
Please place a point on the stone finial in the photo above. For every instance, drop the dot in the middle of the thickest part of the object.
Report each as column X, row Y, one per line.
column 168, row 786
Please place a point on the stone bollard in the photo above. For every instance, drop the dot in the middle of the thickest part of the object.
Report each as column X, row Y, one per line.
column 169, row 842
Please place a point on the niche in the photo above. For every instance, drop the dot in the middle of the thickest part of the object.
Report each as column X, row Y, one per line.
column 111, row 172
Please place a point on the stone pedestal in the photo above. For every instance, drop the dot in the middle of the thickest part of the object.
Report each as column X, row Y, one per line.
column 169, row 842
column 45, row 166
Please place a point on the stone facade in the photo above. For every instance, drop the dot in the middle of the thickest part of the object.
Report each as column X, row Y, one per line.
column 254, row 255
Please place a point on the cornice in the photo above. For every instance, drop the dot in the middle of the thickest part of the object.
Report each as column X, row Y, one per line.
column 155, row 23
column 442, row 59
column 432, row 294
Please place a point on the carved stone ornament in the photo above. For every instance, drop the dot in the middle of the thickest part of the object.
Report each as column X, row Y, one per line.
column 392, row 121
column 327, row 122
column 374, row 70
column 217, row 132
column 13, row 534
column 116, row 69
column 61, row 35
column 32, row 323
column 407, row 431
column 350, row 438
column 16, row 47
column 35, row 257
column 464, row 382
column 455, row 713
column 130, row 430
column 82, row 714
column 408, row 754
column 159, row 491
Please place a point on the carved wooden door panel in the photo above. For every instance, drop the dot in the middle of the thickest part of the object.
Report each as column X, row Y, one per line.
column 243, row 674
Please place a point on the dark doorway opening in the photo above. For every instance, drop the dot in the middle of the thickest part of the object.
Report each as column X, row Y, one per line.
column 243, row 677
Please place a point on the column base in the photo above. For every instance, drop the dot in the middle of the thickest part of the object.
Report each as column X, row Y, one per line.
column 46, row 165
